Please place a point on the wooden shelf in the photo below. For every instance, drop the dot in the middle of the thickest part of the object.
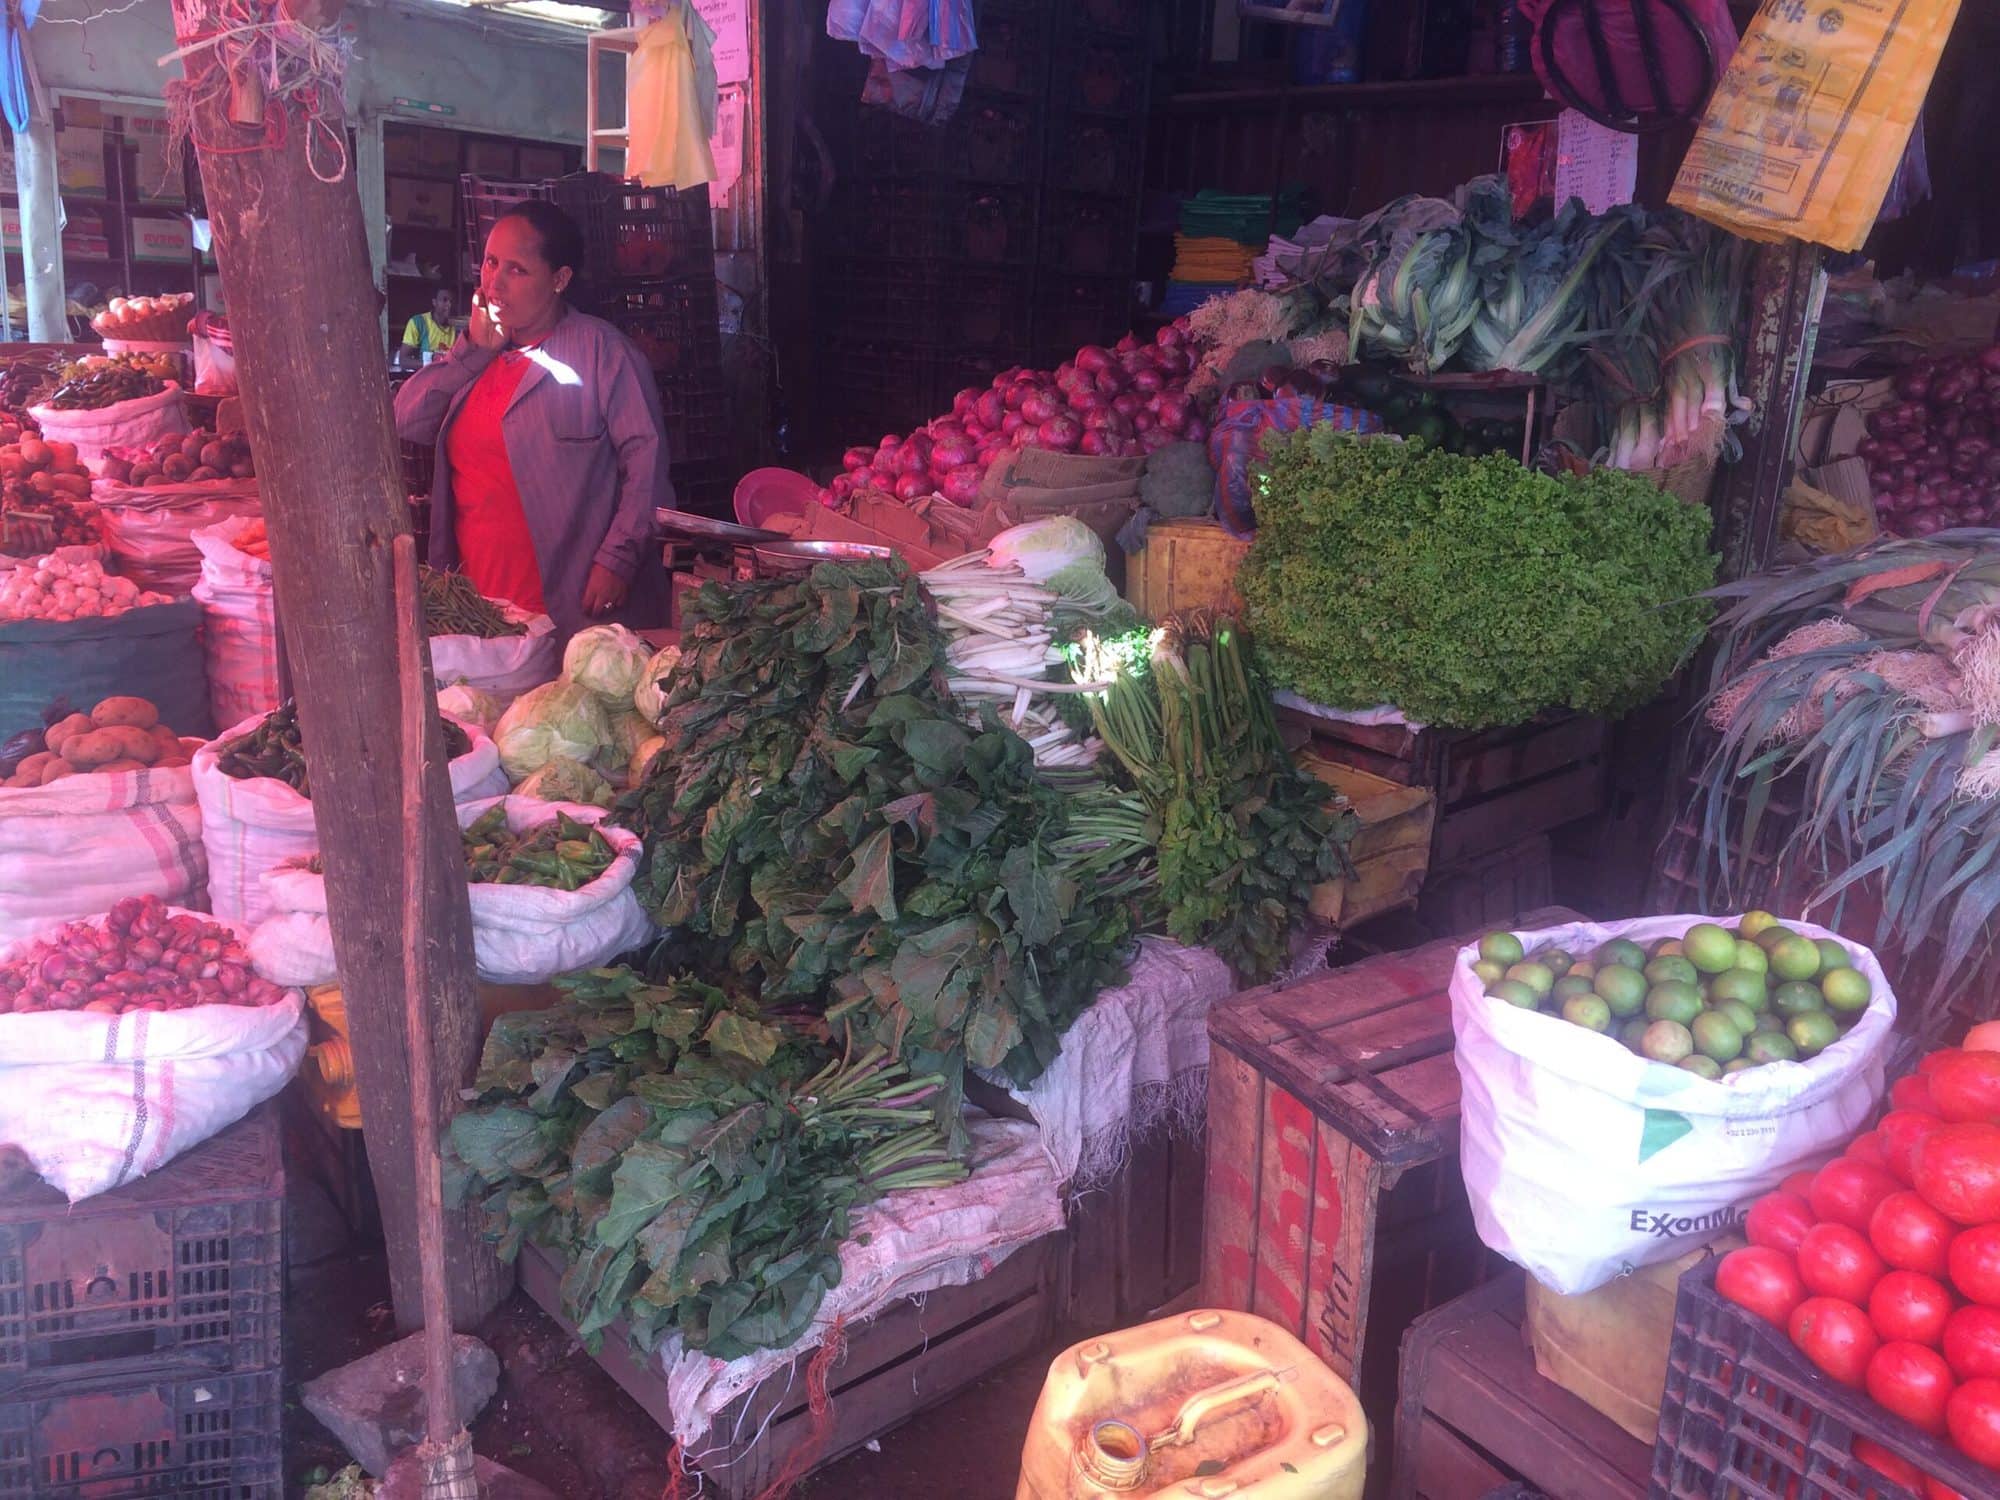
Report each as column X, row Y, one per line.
column 1410, row 93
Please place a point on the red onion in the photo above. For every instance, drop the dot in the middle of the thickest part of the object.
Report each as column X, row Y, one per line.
column 843, row 485
column 1097, row 444
column 1924, row 521
column 944, row 427
column 1092, row 360
column 1059, row 433
column 961, row 485
column 826, row 497
column 963, row 401
column 1914, row 383
column 1021, row 436
column 990, row 408
column 914, row 457
column 1196, row 430
column 1173, row 336
column 1154, row 438
column 1148, row 382
column 910, row 486
column 1128, row 403
column 951, row 453
column 889, row 443
column 1174, row 411
column 1989, row 359
column 1111, row 380
column 1038, row 408
column 1012, row 423
column 857, row 458
column 1108, row 419
column 1088, row 401
column 1128, row 344
column 1144, row 421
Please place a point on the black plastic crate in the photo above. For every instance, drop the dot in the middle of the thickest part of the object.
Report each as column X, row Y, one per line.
column 179, row 1272
column 696, row 415
column 1076, row 310
column 486, row 199
column 1746, row 1415
column 638, row 234
column 982, row 307
column 676, row 325
column 1093, row 154
column 1013, row 52
column 1124, row 17
column 990, row 225
column 992, row 140
column 866, row 297
column 1101, row 75
column 211, row 1437
column 895, row 217
column 1084, row 235
column 953, row 370
column 875, row 387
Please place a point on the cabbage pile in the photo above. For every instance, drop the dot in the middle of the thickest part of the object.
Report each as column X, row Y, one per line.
column 583, row 737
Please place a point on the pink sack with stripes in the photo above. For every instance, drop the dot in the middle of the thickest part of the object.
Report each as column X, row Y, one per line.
column 72, row 848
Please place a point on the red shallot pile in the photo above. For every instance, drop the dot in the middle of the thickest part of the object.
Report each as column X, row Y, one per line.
column 1934, row 456
column 1113, row 403
column 142, row 957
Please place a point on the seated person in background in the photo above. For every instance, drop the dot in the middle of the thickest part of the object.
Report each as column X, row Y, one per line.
column 429, row 333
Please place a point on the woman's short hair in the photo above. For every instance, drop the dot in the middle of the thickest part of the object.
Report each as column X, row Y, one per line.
column 561, row 240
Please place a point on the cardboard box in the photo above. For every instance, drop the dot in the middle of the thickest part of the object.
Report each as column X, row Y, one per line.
column 161, row 239
column 1836, row 420
column 486, row 156
column 83, row 236
column 80, row 158
column 155, row 181
column 407, row 148
column 424, row 205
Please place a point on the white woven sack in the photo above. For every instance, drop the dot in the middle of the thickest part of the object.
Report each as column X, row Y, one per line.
column 521, row 934
column 239, row 624
column 249, row 827
column 97, row 1101
column 506, row 665
column 150, row 530
column 1585, row 1161
column 124, row 424
column 72, row 848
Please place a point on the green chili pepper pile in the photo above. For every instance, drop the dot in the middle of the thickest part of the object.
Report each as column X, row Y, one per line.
column 104, row 385
column 274, row 749
column 562, row 855
column 452, row 606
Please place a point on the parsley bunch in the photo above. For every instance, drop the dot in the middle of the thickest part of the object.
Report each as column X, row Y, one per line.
column 1468, row 592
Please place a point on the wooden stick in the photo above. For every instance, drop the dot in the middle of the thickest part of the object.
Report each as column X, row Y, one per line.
column 445, row 1450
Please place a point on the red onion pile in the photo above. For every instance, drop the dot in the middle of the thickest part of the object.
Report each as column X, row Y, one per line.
column 1934, row 456
column 1106, row 402
column 142, row 957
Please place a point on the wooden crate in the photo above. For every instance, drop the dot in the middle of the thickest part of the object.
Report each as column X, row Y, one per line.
column 907, row 1358
column 1135, row 1244
column 1472, row 1414
column 1391, row 850
column 1494, row 787
column 1335, row 1206
column 1184, row 565
column 1486, row 892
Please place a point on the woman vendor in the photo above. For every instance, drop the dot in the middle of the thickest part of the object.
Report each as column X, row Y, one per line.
column 551, row 458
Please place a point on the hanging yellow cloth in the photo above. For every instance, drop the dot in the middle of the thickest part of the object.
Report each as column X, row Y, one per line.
column 663, row 110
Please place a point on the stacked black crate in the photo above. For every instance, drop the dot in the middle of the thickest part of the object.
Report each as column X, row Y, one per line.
column 649, row 269
column 1095, row 155
column 140, row 1330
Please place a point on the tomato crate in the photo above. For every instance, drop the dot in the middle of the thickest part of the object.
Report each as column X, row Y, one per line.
column 674, row 323
column 637, row 234
column 1088, row 154
column 894, row 217
column 990, row 224
column 1013, row 51
column 696, row 414
column 1084, row 235
column 1746, row 1415
column 205, row 1437
column 1102, row 76
column 1124, row 17
column 981, row 307
column 179, row 1272
column 1071, row 311
column 1334, row 1203
column 865, row 296
column 484, row 200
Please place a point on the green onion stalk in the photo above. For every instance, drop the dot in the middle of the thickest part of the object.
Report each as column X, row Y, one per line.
column 1697, row 301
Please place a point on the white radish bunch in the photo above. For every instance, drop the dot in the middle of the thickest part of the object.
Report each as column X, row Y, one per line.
column 1002, row 644
column 57, row 588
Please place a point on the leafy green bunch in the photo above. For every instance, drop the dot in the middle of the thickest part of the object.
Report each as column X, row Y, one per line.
column 823, row 820
column 1467, row 592
column 695, row 1165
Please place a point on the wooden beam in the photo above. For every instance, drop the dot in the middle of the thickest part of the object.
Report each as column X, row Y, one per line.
column 316, row 398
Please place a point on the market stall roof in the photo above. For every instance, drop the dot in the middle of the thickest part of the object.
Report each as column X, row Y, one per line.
column 555, row 12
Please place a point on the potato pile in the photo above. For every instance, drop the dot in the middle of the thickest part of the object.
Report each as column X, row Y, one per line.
column 146, row 320
column 31, row 467
column 198, row 458
column 44, row 495
column 120, row 734
column 57, row 588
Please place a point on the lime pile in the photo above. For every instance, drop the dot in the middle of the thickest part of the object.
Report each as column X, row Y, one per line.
column 1714, row 1000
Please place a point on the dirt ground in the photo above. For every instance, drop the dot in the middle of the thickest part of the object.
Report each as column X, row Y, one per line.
column 560, row 1420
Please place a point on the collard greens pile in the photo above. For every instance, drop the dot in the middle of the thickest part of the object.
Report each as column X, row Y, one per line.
column 1467, row 592
column 695, row 1164
column 825, row 826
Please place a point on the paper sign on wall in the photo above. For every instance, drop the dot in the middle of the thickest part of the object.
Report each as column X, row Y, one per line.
column 726, row 145
column 729, row 20
column 1594, row 163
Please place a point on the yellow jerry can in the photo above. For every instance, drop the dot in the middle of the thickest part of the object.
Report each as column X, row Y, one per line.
column 1206, row 1404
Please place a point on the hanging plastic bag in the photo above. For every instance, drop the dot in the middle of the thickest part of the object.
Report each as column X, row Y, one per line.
column 214, row 356
column 663, row 108
column 1809, row 123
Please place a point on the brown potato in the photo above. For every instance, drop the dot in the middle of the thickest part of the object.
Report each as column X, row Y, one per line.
column 93, row 749
column 204, row 475
column 58, row 734
column 242, row 469
column 35, row 454
column 137, row 744
column 121, row 765
column 138, row 713
column 32, row 765
column 191, row 447
column 64, row 456
column 55, row 770
column 165, row 738
column 175, row 468
column 214, row 456
column 76, row 486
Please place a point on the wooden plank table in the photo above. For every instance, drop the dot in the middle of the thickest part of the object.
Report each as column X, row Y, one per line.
column 1472, row 1413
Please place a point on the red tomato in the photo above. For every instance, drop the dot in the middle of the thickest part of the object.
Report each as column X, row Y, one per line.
column 1836, row 1336
column 1882, row 1461
column 1937, row 1489
column 1912, row 1093
column 1900, row 1132
column 1867, row 1147
column 1911, row 1235
column 1913, row 1382
column 1910, row 1306
column 1800, row 1183
column 1972, row 1343
column 1930, row 1062
column 1779, row 1220
column 1846, row 1191
column 1834, row 1261
column 1975, row 1262
column 1762, row 1280
column 1973, row 1416
column 1958, row 1172
column 1967, row 1087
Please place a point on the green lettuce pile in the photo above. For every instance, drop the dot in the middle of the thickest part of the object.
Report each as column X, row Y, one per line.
column 693, row 1162
column 1467, row 592
column 824, row 825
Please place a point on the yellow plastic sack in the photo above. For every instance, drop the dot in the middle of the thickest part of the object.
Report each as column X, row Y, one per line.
column 669, row 142
column 1807, row 126
column 1822, row 522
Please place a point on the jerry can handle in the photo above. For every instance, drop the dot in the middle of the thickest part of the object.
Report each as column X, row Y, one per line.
column 1198, row 1408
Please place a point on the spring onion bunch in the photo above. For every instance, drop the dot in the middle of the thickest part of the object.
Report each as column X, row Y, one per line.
column 1536, row 305
column 1697, row 295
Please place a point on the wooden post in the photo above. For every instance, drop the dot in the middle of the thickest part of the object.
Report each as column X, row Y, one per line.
column 316, row 398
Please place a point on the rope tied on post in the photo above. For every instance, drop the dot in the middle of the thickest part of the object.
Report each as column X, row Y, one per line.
column 265, row 60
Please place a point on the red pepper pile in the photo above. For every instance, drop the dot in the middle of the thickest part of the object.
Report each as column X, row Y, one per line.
column 1884, row 1265
column 143, row 957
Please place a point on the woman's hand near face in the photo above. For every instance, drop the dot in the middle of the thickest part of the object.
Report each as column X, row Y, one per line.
column 484, row 332
column 603, row 591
